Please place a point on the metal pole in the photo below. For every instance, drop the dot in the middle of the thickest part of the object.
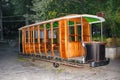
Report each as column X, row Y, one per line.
column 101, row 32
column 91, row 32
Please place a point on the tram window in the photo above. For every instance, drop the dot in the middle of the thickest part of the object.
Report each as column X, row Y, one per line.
column 41, row 34
column 72, row 38
column 26, row 36
column 79, row 32
column 49, row 34
column 71, row 30
column 71, row 34
column 54, row 33
column 75, row 36
column 36, row 36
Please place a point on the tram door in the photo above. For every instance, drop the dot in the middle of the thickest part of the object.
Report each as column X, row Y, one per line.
column 78, row 33
column 75, row 48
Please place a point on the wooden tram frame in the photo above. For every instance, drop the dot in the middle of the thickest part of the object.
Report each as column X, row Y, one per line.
column 38, row 38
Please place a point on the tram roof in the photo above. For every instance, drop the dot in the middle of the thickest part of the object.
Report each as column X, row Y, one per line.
column 90, row 18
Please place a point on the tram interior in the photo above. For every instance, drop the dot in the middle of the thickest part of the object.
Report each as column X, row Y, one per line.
column 57, row 39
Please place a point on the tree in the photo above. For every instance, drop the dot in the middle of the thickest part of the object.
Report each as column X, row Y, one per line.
column 1, row 26
column 112, row 16
column 22, row 7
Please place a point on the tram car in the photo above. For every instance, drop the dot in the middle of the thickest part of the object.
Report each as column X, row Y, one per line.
column 65, row 40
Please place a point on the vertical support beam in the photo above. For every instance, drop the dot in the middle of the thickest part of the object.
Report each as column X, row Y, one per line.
column 101, row 32
column 76, row 31
column 45, row 41
column 52, row 45
column 90, row 32
column 60, row 42
column 39, row 40
column 29, row 40
column 34, row 40
column 85, row 30
column 66, row 37
column 23, row 40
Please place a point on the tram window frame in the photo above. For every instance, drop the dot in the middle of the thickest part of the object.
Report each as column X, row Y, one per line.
column 41, row 35
column 72, row 33
column 26, row 36
column 36, row 35
column 79, row 32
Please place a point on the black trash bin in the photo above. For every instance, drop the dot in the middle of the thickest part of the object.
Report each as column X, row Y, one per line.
column 96, row 54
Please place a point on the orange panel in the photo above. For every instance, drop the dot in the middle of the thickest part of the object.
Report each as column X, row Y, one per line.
column 62, row 38
column 85, row 31
column 75, row 50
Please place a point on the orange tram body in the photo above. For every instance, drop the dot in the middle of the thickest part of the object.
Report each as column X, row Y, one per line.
column 66, row 39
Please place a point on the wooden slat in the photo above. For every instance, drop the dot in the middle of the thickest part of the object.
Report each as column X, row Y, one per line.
column 85, row 31
column 76, row 49
column 75, row 19
column 62, row 38
column 29, row 39
column 66, row 38
column 45, row 44
column 25, row 40
column 52, row 46
column 39, row 40
column 23, row 49
column 60, row 49
column 34, row 40
column 76, row 31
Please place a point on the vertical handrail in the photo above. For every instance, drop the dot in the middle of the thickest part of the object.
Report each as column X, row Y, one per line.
column 90, row 33
column 101, row 32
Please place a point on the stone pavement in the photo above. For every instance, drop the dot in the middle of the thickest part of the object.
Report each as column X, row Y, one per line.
column 12, row 67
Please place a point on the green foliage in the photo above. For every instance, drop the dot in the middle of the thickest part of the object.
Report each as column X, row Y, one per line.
column 40, row 10
column 45, row 10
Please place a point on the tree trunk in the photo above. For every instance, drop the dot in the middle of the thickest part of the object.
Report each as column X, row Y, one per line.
column 1, row 27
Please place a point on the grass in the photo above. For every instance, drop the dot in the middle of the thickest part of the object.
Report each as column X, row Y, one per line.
column 60, row 70
column 21, row 59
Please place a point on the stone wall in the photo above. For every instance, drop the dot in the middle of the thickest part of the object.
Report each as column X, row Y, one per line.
column 113, row 53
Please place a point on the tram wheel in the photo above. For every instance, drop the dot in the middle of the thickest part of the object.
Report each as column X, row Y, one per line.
column 94, row 64
column 56, row 65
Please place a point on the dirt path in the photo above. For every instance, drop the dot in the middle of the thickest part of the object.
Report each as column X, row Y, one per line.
column 13, row 68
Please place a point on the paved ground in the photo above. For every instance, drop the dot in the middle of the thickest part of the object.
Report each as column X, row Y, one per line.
column 13, row 67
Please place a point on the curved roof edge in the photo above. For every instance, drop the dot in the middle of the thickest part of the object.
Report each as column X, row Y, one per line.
column 101, row 19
